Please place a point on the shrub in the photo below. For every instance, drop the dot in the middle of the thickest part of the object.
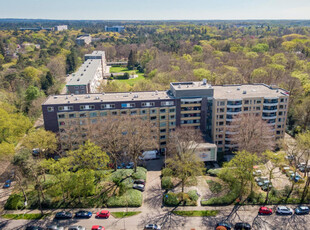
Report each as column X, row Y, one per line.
column 167, row 172
column 193, row 195
column 187, row 199
column 166, row 183
column 214, row 186
column 131, row 198
column 214, row 172
column 171, row 199
column 140, row 174
column 14, row 202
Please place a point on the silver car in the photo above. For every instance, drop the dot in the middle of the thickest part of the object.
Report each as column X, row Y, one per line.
column 76, row 227
column 283, row 210
column 54, row 227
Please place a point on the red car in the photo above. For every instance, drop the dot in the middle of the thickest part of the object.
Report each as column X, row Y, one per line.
column 103, row 214
column 265, row 211
column 97, row 227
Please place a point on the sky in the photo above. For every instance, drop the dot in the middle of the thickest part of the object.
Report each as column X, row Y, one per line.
column 155, row 9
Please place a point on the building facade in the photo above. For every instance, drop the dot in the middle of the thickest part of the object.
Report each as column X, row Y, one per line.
column 83, row 40
column 88, row 77
column 117, row 29
column 60, row 27
column 186, row 104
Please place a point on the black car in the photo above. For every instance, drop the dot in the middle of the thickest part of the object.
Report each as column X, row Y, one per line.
column 33, row 228
column 302, row 210
column 140, row 181
column 243, row 226
column 228, row 226
column 83, row 214
column 63, row 215
column 139, row 187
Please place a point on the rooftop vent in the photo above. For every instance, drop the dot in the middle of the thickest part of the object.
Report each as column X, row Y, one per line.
column 238, row 88
column 102, row 93
column 84, row 70
column 244, row 92
column 96, row 98
column 101, row 100
column 204, row 81
column 68, row 102
column 76, row 98
column 179, row 86
column 135, row 96
column 55, row 97
column 187, row 86
column 156, row 92
column 66, row 97
column 78, row 79
column 125, row 95
column 81, row 74
column 72, row 95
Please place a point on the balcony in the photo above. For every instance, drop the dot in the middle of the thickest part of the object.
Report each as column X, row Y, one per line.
column 234, row 106
column 269, row 117
column 231, row 145
column 270, row 111
column 231, row 133
column 233, row 112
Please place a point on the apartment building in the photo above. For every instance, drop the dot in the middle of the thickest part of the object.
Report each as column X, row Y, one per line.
column 83, row 40
column 61, row 27
column 87, row 78
column 114, row 28
column 186, row 104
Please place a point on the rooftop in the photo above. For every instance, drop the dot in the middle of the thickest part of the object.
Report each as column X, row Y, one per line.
column 96, row 53
column 85, row 73
column 247, row 91
column 106, row 97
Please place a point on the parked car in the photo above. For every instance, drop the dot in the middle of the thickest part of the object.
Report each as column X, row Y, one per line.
column 77, row 227
column 282, row 210
column 304, row 168
column 121, row 166
column 83, row 214
column 149, row 155
column 289, row 173
column 228, row 226
column 97, row 227
column 260, row 183
column 63, row 215
column 257, row 179
column 242, row 226
column 32, row 227
column 130, row 165
column 265, row 211
column 295, row 178
column 103, row 214
column 54, row 227
column 36, row 152
column 139, row 187
column 289, row 157
column 152, row 226
column 266, row 187
column 302, row 210
column 257, row 172
column 7, row 184
column 140, row 181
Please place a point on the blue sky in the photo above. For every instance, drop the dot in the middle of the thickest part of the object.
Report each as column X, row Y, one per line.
column 155, row 9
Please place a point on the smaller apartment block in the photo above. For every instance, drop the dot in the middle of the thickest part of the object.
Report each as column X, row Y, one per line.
column 186, row 104
column 88, row 77
column 83, row 40
column 114, row 28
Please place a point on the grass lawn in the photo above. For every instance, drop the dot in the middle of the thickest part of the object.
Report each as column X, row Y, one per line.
column 124, row 214
column 196, row 213
column 121, row 69
column 33, row 216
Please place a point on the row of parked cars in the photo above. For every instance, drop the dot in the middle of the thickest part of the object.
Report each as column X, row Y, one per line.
column 291, row 174
column 281, row 210
column 94, row 227
column 262, row 182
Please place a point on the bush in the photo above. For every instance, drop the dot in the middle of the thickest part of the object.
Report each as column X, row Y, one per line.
column 15, row 201
column 140, row 174
column 167, row 172
column 214, row 172
column 214, row 186
column 166, row 183
column 131, row 198
column 171, row 199
column 193, row 195
column 227, row 199
column 186, row 199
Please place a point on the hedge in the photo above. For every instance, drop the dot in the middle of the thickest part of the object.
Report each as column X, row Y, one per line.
column 14, row 202
column 175, row 199
column 131, row 198
column 166, row 183
column 227, row 199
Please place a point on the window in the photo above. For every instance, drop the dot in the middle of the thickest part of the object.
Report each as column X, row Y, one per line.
column 220, row 103
column 258, row 101
column 65, row 108
column 107, row 106
column 246, row 109
column 114, row 113
column 76, row 87
column 82, row 122
column 257, row 108
column 281, row 107
column 172, row 123
column 147, row 104
column 246, row 102
column 162, row 117
column 128, row 105
column 71, row 115
column 82, row 91
column 220, row 116
column 282, row 100
column 162, row 124
column 172, row 117
column 162, row 110
column 163, row 137
column 171, row 110
column 102, row 114
column 163, row 143
column 220, row 110
column 86, row 107
column 153, row 118
column 50, row 109
column 82, row 87
column 167, row 103
column 61, row 116
column 163, row 130
column 280, row 113
column 123, row 112
column 133, row 112
column 143, row 111
column 153, row 111
column 94, row 114
column 62, row 123
column 94, row 121
column 83, row 115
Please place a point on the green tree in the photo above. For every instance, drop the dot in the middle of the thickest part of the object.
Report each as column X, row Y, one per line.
column 89, row 156
column 47, row 81
column 182, row 158
column 132, row 60
column 72, row 61
column 260, row 48
column 32, row 93
column 31, row 74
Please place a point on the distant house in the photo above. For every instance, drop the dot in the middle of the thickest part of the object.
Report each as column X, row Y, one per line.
column 83, row 40
column 60, row 27
column 114, row 28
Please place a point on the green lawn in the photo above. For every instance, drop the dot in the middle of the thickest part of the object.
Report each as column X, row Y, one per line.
column 33, row 216
column 121, row 69
column 124, row 214
column 196, row 213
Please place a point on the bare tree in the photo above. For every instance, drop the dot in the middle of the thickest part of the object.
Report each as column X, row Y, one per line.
column 139, row 135
column 251, row 133
column 182, row 158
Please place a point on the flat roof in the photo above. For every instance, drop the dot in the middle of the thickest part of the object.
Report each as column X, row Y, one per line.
column 85, row 73
column 180, row 86
column 96, row 53
column 247, row 91
column 106, row 97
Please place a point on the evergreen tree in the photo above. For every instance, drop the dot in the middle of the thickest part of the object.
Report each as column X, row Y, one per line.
column 47, row 81
column 132, row 60
column 2, row 50
column 72, row 61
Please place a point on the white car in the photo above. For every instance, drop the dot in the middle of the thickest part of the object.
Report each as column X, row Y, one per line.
column 284, row 210
column 152, row 226
column 76, row 227
column 54, row 227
